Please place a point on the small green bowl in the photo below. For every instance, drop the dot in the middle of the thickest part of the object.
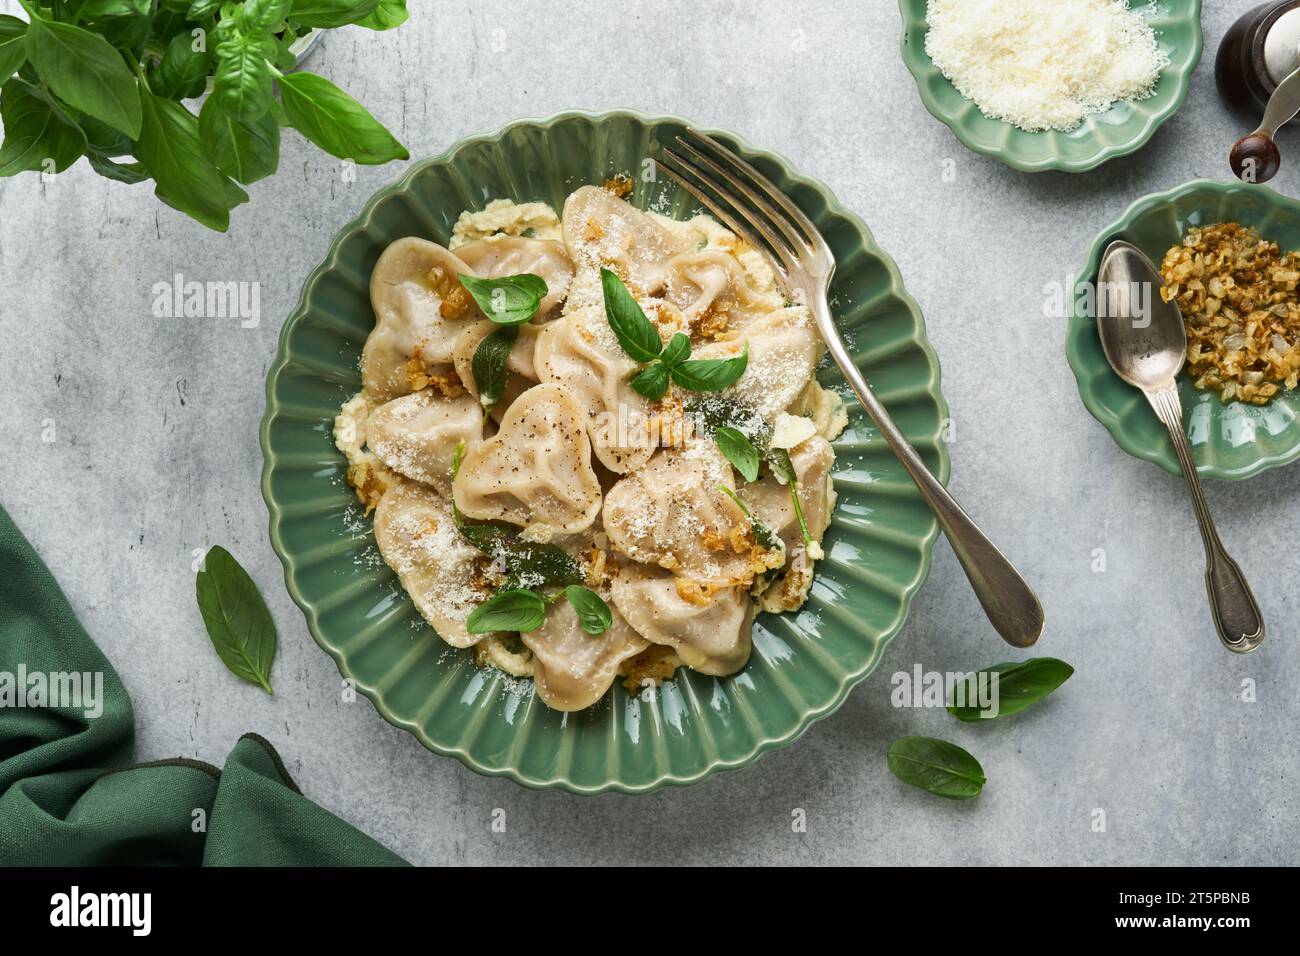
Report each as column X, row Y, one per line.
column 877, row 548
column 1121, row 130
column 1233, row 440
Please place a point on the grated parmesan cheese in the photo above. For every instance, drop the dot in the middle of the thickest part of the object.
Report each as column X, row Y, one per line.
column 1043, row 64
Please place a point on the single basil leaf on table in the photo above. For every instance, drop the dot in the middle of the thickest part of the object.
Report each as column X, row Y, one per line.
column 36, row 130
column 335, row 121
column 711, row 375
column 86, row 72
column 490, row 364
column 331, row 13
column 389, row 14
column 594, row 616
column 242, row 83
column 635, row 333
column 677, row 350
column 245, row 150
column 170, row 150
column 938, row 766
column 13, row 50
column 236, row 618
column 509, row 300
column 512, row 610
column 738, row 450
column 652, row 381
column 183, row 71
column 1020, row 684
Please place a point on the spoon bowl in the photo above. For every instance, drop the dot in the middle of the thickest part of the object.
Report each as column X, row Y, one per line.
column 1143, row 336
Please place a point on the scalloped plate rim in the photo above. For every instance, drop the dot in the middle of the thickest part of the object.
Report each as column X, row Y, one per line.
column 923, row 67
column 1080, row 327
column 925, row 544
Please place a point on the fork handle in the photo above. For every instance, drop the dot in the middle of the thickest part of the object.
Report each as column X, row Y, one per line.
column 1236, row 614
column 1007, row 599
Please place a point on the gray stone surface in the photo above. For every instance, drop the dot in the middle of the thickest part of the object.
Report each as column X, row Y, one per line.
column 156, row 455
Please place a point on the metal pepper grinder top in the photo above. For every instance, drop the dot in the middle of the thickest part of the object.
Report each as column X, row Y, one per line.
column 1258, row 73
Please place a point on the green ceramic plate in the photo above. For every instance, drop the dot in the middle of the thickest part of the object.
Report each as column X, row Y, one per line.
column 1235, row 440
column 803, row 665
column 1117, row 132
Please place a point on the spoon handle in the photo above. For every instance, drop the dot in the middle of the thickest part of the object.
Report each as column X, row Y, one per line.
column 1236, row 615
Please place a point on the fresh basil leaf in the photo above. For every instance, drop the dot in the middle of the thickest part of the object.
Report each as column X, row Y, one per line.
column 95, row 9
column 1020, row 684
column 389, row 14
column 738, row 450
column 236, row 618
column 763, row 534
column 242, row 83
column 710, row 375
column 37, row 132
column 245, row 150
column 84, row 71
column 636, row 333
column 335, row 121
column 594, row 615
column 261, row 16
column 13, row 50
column 513, row 610
column 942, row 768
column 202, row 9
column 170, row 149
column 652, row 381
column 490, row 364
column 106, row 166
column 331, row 13
column 130, row 33
column 783, row 467
column 509, row 300
column 183, row 72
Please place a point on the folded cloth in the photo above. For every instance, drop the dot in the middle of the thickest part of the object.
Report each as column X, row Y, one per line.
column 69, row 795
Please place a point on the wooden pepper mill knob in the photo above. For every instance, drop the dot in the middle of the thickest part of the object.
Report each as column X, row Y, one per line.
column 1255, row 158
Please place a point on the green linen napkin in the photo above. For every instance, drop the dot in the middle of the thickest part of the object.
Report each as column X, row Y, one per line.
column 68, row 793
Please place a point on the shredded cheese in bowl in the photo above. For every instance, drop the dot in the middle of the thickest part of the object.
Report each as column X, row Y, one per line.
column 1044, row 64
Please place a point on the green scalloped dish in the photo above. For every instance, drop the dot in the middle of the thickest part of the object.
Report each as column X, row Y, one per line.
column 1233, row 440
column 803, row 664
column 1118, row 131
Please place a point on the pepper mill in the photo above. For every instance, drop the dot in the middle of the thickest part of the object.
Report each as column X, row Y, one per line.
column 1258, row 74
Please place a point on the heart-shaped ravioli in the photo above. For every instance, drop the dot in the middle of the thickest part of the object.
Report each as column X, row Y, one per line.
column 536, row 470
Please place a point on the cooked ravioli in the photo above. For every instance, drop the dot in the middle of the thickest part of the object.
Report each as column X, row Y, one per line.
column 574, row 467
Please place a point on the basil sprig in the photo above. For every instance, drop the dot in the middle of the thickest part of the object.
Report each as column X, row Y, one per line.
column 1020, row 684
column 105, row 79
column 236, row 618
column 672, row 362
column 940, row 767
column 508, row 300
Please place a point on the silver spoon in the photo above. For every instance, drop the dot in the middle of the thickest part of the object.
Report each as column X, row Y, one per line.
column 1147, row 347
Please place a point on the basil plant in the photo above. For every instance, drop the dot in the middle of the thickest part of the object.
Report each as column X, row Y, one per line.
column 107, row 80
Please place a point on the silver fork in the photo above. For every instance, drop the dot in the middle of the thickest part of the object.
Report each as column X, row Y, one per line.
column 752, row 207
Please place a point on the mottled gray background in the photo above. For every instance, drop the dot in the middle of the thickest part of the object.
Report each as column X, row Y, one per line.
column 156, row 454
